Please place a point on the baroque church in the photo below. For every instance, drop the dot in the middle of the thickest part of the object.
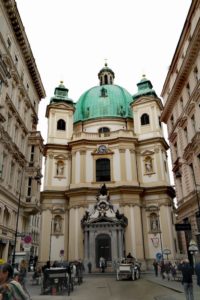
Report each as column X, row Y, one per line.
column 106, row 186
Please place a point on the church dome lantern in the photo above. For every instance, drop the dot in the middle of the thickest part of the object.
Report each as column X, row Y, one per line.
column 106, row 75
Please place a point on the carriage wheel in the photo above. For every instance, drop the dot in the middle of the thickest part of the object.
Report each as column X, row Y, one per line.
column 117, row 276
column 133, row 275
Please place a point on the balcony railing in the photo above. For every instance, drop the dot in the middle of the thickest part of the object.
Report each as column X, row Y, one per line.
column 106, row 136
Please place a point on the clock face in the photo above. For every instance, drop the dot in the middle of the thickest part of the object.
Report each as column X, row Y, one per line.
column 102, row 149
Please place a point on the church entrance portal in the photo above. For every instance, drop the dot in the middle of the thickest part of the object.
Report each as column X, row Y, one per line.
column 103, row 248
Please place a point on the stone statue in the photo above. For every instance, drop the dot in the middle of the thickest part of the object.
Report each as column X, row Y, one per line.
column 57, row 225
column 103, row 190
column 154, row 223
column 60, row 169
column 148, row 166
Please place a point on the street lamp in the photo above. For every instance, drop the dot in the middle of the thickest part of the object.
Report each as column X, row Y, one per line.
column 17, row 220
column 193, row 249
column 38, row 179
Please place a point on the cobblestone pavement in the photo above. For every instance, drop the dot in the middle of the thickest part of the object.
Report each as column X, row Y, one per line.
column 105, row 287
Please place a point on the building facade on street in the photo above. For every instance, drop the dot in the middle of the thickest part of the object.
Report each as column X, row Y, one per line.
column 21, row 145
column 181, row 95
column 106, row 185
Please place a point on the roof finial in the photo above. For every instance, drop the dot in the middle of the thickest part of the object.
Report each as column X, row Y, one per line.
column 105, row 62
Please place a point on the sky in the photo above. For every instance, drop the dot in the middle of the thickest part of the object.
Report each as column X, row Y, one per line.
column 70, row 40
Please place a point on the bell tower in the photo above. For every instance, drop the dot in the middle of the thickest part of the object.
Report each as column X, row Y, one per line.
column 60, row 116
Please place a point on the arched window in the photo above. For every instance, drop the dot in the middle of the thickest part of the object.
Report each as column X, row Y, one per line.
column 145, row 119
column 61, row 124
column 6, row 217
column 104, row 129
column 106, row 79
column 103, row 169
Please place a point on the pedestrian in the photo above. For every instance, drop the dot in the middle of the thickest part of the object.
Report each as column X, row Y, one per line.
column 89, row 267
column 162, row 269
column 35, row 260
column 23, row 274
column 155, row 265
column 102, row 264
column 197, row 271
column 129, row 255
column 46, row 266
column 187, row 272
column 9, row 288
column 173, row 270
column 168, row 269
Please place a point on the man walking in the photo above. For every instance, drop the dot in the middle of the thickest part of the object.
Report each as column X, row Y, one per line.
column 197, row 271
column 187, row 272
column 155, row 265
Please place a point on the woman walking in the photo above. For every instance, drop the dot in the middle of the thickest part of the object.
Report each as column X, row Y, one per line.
column 23, row 275
column 9, row 288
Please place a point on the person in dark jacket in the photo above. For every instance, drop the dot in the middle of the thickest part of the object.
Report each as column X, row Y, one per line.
column 197, row 271
column 155, row 265
column 187, row 272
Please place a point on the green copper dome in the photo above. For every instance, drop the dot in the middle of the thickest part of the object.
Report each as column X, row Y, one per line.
column 145, row 88
column 104, row 101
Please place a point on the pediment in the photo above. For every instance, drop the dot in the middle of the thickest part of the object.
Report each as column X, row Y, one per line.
column 102, row 219
column 60, row 157
column 58, row 210
column 61, row 105
column 147, row 153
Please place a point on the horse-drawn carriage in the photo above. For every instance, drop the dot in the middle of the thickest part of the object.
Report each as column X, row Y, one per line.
column 128, row 268
column 57, row 280
column 62, row 278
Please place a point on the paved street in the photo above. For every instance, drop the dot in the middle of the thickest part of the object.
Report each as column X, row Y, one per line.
column 103, row 287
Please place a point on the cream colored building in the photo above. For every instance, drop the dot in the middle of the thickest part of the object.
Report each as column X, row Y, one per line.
column 108, row 137
column 181, row 94
column 21, row 145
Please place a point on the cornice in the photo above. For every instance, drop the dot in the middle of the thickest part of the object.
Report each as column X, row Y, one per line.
column 7, row 141
column 50, row 194
column 21, row 37
column 169, row 190
column 16, row 114
column 109, row 141
column 59, row 105
column 147, row 99
column 182, row 75
column 56, row 147
column 153, row 141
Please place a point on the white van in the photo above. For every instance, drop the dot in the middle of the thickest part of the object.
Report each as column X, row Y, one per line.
column 19, row 256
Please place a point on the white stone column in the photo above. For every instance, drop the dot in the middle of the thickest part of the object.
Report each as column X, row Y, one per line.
column 114, row 245
column 86, row 244
column 120, row 243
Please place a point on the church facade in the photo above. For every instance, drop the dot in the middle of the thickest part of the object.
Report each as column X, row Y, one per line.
column 106, row 186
